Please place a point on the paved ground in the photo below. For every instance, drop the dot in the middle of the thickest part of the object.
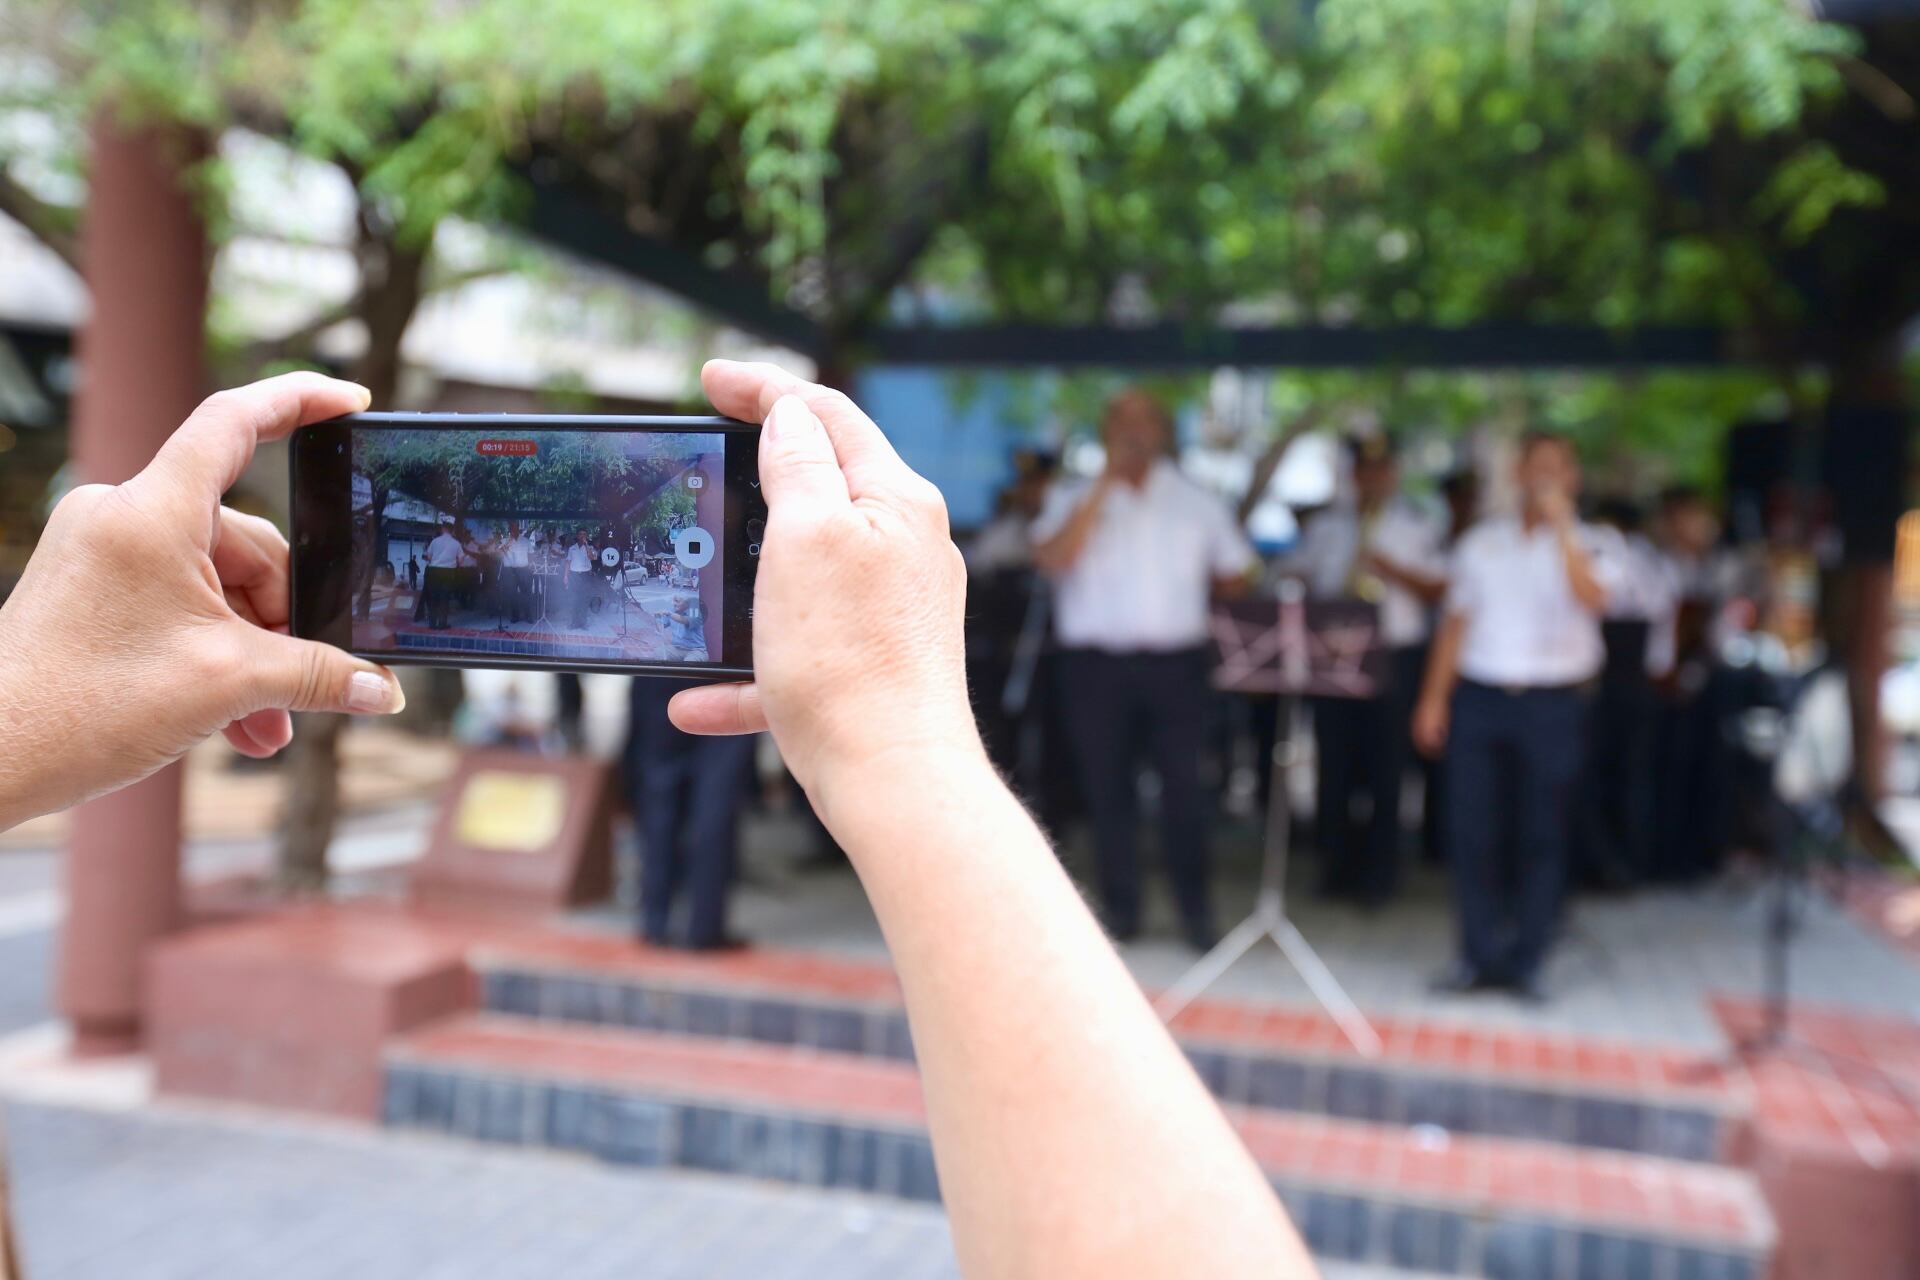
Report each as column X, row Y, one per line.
column 173, row 1195
column 163, row 1192
column 1636, row 967
column 205, row 1195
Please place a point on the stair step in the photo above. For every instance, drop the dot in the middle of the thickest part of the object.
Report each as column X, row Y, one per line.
column 1466, row 1081
column 1412, row 1197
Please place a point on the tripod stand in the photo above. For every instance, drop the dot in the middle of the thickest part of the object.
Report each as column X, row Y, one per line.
column 1803, row 741
column 1269, row 919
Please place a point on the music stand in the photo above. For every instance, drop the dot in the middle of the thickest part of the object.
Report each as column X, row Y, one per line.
column 544, row 572
column 1326, row 649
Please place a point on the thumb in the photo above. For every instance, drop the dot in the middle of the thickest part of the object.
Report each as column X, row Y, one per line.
column 798, row 468
column 305, row 675
column 718, row 709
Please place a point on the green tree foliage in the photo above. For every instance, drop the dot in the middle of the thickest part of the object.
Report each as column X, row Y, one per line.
column 1368, row 160
column 671, row 507
column 1618, row 162
column 575, row 473
column 1611, row 161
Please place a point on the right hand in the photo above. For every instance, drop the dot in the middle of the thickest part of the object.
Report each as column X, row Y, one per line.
column 860, row 598
column 1430, row 726
column 1555, row 505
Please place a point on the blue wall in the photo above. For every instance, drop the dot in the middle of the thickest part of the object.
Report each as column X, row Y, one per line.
column 963, row 449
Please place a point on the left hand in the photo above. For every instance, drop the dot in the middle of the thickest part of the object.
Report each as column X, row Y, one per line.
column 151, row 617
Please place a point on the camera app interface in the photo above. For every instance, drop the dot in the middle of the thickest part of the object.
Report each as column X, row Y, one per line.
column 599, row 546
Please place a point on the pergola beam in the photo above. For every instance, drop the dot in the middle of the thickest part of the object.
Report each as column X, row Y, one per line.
column 740, row 298
column 1172, row 346
column 570, row 221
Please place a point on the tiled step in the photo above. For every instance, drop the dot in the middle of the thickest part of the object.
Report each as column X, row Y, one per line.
column 1396, row 1196
column 1502, row 1084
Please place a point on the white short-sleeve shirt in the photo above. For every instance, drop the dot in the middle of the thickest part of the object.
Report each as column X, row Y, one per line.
column 515, row 553
column 1143, row 580
column 444, row 552
column 1523, row 624
column 1402, row 533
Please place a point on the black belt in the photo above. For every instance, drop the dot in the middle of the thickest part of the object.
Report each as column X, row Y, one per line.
column 1521, row 690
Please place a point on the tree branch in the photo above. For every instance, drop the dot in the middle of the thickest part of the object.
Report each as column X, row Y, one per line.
column 299, row 341
column 47, row 223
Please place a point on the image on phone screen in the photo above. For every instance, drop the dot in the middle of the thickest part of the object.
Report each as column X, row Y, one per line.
column 514, row 543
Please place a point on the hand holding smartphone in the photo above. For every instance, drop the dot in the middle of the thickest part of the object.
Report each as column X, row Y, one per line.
column 545, row 542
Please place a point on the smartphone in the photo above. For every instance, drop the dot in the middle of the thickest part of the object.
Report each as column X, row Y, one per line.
column 532, row 541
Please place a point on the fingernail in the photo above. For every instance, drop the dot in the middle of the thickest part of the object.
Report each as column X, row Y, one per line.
column 370, row 693
column 366, row 396
column 790, row 418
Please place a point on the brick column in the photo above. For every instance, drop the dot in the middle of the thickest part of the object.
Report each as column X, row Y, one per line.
column 142, row 370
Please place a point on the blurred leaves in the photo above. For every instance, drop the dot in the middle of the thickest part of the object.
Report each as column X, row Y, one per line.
column 1353, row 161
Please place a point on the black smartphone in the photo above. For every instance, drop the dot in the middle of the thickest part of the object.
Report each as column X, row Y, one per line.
column 534, row 541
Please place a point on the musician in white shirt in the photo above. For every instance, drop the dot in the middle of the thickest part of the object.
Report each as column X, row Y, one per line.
column 1506, row 696
column 516, row 559
column 444, row 557
column 1616, row 836
column 578, row 580
column 1135, row 556
column 1379, row 547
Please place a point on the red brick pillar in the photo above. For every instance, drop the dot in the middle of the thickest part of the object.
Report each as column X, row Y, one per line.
column 141, row 364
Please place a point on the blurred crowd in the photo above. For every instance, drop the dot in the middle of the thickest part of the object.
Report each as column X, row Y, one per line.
column 1549, row 702
column 1551, row 687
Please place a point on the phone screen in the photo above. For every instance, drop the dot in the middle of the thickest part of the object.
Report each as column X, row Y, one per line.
column 521, row 540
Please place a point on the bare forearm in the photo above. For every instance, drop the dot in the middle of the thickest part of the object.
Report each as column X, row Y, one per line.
column 1443, row 662
column 1428, row 587
column 17, row 754
column 1073, row 1138
column 1060, row 552
column 1235, row 586
column 35, row 714
column 1587, row 588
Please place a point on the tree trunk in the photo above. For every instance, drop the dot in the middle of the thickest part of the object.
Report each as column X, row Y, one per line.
column 391, row 277
column 369, row 568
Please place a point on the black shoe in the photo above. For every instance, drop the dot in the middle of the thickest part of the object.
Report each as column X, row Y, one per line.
column 1202, row 937
column 1528, row 990
column 1458, row 980
column 725, row 942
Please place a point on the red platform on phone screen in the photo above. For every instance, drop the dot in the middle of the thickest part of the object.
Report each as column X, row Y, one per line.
column 507, row 448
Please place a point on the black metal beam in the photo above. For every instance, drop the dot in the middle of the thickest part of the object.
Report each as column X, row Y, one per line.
column 1866, row 12
column 1167, row 346
column 568, row 221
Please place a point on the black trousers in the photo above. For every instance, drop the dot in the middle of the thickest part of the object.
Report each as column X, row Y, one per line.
column 581, row 590
column 437, row 597
column 1116, row 705
column 1512, row 778
column 1363, row 748
column 514, row 592
column 1616, row 837
column 687, row 793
